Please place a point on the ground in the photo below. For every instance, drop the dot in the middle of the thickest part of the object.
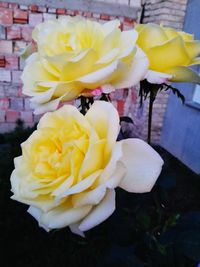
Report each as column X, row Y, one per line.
column 158, row 229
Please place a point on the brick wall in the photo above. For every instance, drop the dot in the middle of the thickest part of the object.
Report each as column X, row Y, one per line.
column 17, row 22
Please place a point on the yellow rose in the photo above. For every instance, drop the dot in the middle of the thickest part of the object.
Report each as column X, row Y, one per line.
column 72, row 163
column 75, row 54
column 169, row 52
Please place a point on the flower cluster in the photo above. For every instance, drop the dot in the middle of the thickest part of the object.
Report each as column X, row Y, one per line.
column 74, row 55
column 72, row 163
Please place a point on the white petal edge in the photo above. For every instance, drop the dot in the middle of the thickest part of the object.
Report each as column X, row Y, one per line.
column 59, row 217
column 156, row 77
column 100, row 213
column 136, row 72
column 143, row 166
column 75, row 230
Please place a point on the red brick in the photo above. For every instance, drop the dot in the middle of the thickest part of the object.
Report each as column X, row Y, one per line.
column 70, row 12
column 130, row 20
column 35, row 19
column 6, row 47
column 2, row 62
column 16, row 76
column 13, row 32
column 4, row 103
column 2, row 116
column 33, row 8
column 78, row 12
column 27, row 33
column 3, row 4
column 134, row 96
column 26, row 116
column 5, row 75
column 121, row 26
column 120, row 107
column 13, row 5
column 12, row 62
column 6, row 16
column 20, row 16
column 60, row 11
column 105, row 17
column 87, row 14
column 12, row 115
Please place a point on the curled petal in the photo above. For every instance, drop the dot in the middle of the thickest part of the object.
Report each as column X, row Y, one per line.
column 135, row 73
column 59, row 217
column 156, row 77
column 104, row 118
column 143, row 166
column 184, row 74
column 150, row 35
column 74, row 229
column 92, row 197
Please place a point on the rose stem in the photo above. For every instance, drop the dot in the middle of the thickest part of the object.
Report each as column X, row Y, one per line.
column 153, row 93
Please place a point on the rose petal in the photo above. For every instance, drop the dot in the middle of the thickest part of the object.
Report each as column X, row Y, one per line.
column 100, row 213
column 143, row 166
column 45, row 107
column 59, row 217
column 92, row 197
column 74, row 229
column 172, row 53
column 117, row 176
column 150, row 35
column 107, row 88
column 81, row 186
column 104, row 118
column 133, row 75
column 156, row 77
column 99, row 75
column 37, row 213
column 183, row 74
column 110, row 26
